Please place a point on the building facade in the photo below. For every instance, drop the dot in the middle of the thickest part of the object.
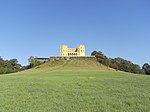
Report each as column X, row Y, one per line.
column 65, row 51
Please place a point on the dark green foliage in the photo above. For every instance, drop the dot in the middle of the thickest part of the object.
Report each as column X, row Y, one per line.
column 100, row 57
column 25, row 67
column 125, row 65
column 9, row 66
column 117, row 63
column 146, row 68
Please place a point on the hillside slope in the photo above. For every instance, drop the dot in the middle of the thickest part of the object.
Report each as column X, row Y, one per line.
column 72, row 65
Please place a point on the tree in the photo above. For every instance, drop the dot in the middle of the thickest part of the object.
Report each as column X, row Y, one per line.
column 9, row 66
column 125, row 65
column 117, row 63
column 146, row 68
column 100, row 57
column 34, row 62
column 31, row 61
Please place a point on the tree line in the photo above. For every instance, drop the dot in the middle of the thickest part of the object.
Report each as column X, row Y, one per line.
column 121, row 64
column 33, row 62
column 12, row 65
column 9, row 66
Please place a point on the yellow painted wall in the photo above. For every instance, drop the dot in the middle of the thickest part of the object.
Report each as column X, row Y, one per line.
column 79, row 51
column 64, row 50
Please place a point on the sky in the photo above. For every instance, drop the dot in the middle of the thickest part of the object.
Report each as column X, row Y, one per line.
column 118, row 28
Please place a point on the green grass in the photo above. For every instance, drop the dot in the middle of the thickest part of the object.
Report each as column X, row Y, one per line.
column 74, row 86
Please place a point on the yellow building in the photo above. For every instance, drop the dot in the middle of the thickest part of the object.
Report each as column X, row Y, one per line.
column 65, row 51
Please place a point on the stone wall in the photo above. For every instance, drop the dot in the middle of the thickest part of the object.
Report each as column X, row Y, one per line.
column 72, row 57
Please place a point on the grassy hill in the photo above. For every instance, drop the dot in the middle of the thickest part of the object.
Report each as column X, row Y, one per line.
column 74, row 86
column 73, row 65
